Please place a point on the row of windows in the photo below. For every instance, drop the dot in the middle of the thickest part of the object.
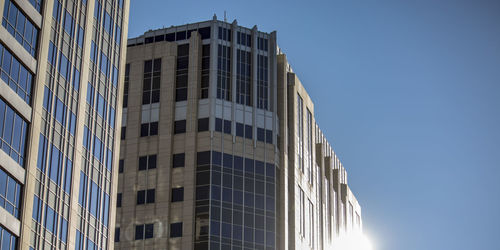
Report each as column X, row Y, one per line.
column 20, row 27
column 148, row 196
column 15, row 74
column 13, row 130
column 181, row 73
column 10, row 194
column 146, row 231
column 149, row 162
column 176, row 36
column 7, row 240
column 306, row 217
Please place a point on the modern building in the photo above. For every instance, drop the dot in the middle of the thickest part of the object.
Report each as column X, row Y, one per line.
column 220, row 148
column 60, row 68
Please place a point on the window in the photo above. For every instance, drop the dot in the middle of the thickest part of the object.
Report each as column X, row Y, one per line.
column 126, row 84
column 147, row 162
column 151, row 82
column 300, row 133
column 20, row 27
column 302, row 216
column 145, row 196
column 248, row 131
column 180, row 127
column 309, row 152
column 119, row 200
column 205, row 70
column 123, row 133
column 262, row 83
column 203, row 124
column 225, row 34
column 177, row 194
column 224, row 72
column 181, row 78
column 10, row 194
column 222, row 125
column 15, row 75
column 117, row 234
column 240, row 129
column 12, row 133
column 145, row 231
column 149, row 129
column 178, row 160
column 7, row 240
column 121, row 164
column 243, row 73
column 176, row 230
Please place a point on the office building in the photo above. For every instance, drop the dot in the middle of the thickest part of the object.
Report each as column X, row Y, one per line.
column 60, row 68
column 220, row 148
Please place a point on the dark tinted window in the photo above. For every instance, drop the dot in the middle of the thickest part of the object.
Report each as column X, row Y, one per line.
column 204, row 32
column 143, row 163
column 261, row 134
column 178, row 160
column 152, row 162
column 227, row 127
column 123, row 132
column 117, row 234
column 170, row 37
column 269, row 136
column 139, row 232
column 119, row 200
column 159, row 38
column 144, row 129
column 150, row 196
column 203, row 124
column 141, row 197
column 239, row 129
column 153, row 128
column 149, row 231
column 176, row 230
column 248, row 131
column 177, row 194
column 218, row 124
column 203, row 158
column 181, row 35
column 121, row 164
column 180, row 127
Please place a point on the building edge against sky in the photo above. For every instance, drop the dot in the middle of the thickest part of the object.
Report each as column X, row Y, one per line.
column 61, row 70
column 220, row 147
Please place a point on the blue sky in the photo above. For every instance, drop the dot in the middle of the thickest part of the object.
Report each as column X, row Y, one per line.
column 408, row 93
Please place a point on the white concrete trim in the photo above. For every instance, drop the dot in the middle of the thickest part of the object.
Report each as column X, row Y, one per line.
column 30, row 12
column 9, row 222
column 19, row 52
column 15, row 101
column 12, row 167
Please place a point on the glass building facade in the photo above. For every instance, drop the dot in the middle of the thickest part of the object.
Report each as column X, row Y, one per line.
column 53, row 55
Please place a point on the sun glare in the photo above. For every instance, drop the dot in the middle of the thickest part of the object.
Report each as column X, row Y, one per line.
column 353, row 241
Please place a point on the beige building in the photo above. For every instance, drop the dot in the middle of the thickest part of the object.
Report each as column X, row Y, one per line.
column 220, row 149
column 60, row 68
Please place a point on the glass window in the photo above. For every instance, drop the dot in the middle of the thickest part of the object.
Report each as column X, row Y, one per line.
column 139, row 232
column 10, row 194
column 176, row 230
column 177, row 194
column 12, row 133
column 20, row 27
column 119, row 200
column 203, row 124
column 148, row 231
column 248, row 131
column 224, row 72
column 151, row 81
column 178, row 160
column 141, row 197
column 117, row 234
column 180, row 127
column 181, row 77
column 15, row 74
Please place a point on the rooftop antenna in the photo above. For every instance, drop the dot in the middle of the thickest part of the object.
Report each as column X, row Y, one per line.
column 225, row 19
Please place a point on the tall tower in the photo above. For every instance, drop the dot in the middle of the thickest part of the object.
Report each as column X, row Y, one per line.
column 220, row 148
column 61, row 63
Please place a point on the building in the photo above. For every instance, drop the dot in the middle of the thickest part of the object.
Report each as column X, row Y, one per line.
column 220, row 148
column 60, row 62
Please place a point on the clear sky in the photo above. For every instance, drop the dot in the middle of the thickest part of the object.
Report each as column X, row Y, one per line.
column 408, row 92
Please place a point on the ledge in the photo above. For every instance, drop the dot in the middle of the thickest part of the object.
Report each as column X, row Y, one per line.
column 14, row 101
column 12, row 167
column 9, row 222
